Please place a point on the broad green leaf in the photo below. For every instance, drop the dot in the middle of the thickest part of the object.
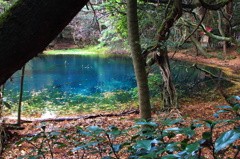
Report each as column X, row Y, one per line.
column 226, row 139
column 144, row 144
column 55, row 133
column 224, row 106
column 172, row 147
column 80, row 131
column 236, row 107
column 147, row 123
column 188, row 131
column 173, row 129
column 171, row 157
column 237, row 97
column 112, row 127
column 184, row 143
column 86, row 145
column 192, row 147
column 174, row 121
column 220, row 111
column 95, row 129
column 117, row 147
column 206, row 135
column 115, row 133
column 33, row 157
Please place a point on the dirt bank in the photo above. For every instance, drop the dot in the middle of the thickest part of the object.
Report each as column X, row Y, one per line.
column 232, row 59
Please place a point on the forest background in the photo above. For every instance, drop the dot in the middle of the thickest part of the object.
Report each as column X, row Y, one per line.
column 105, row 24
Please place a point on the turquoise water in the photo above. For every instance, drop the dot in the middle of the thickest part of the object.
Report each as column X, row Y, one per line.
column 93, row 74
column 78, row 74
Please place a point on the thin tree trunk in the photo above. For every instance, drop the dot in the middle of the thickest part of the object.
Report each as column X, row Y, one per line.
column 222, row 33
column 28, row 27
column 20, row 97
column 138, row 61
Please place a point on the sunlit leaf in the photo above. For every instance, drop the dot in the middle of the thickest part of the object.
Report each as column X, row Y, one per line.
column 173, row 129
column 224, row 106
column 226, row 139
column 237, row 97
column 220, row 111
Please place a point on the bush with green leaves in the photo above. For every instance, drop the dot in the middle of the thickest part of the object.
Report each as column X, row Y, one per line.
column 167, row 139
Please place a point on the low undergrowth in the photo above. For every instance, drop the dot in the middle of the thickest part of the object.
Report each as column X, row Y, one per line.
column 161, row 138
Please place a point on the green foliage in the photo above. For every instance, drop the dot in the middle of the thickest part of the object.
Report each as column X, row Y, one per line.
column 154, row 83
column 36, row 103
column 220, row 56
column 154, row 141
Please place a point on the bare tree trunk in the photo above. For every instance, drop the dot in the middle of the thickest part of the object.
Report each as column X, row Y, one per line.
column 138, row 60
column 28, row 27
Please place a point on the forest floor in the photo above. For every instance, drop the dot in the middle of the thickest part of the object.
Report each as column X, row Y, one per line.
column 196, row 108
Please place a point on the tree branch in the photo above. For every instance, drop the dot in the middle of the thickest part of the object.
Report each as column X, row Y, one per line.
column 214, row 6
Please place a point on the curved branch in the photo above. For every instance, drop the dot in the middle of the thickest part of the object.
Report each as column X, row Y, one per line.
column 231, row 39
column 214, row 6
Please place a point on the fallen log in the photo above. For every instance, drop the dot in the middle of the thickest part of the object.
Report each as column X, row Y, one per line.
column 123, row 113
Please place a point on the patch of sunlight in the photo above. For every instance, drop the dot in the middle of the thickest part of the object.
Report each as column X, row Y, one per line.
column 48, row 114
column 85, row 51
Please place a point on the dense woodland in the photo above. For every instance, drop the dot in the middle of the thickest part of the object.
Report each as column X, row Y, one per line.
column 148, row 30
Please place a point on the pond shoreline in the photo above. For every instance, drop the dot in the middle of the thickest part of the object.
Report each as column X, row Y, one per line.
column 212, row 61
column 232, row 60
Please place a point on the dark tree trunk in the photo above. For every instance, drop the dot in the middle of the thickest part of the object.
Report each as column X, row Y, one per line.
column 161, row 56
column 169, row 91
column 28, row 27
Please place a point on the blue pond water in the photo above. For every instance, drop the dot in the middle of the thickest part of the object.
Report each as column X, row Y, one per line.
column 80, row 74
column 93, row 74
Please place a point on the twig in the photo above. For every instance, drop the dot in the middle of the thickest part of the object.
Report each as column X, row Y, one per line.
column 111, row 145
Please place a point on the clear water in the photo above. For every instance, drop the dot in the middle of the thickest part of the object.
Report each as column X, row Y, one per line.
column 92, row 74
column 78, row 74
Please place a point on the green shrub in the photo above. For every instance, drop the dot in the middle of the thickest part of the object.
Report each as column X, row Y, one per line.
column 155, row 140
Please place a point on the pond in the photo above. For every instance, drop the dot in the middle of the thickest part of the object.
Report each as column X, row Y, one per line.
column 67, row 82
column 78, row 74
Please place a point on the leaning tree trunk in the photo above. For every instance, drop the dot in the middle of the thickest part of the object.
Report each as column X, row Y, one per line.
column 28, row 27
column 138, row 60
column 161, row 56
